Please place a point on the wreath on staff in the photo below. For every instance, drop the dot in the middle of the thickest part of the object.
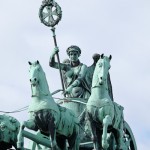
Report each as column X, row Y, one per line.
column 50, row 13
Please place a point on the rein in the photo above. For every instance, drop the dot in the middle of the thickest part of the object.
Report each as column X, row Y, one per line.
column 95, row 86
column 98, row 86
column 39, row 90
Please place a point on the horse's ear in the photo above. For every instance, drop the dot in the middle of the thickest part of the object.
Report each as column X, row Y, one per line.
column 29, row 63
column 102, row 56
column 110, row 57
column 37, row 62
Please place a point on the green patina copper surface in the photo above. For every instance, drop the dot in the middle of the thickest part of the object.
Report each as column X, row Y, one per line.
column 89, row 114
column 9, row 128
column 59, row 123
column 74, row 73
column 104, row 114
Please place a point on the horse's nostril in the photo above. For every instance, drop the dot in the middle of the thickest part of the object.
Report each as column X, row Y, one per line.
column 30, row 80
column 101, row 78
column 34, row 79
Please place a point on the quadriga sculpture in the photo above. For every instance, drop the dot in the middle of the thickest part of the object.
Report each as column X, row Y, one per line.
column 104, row 114
column 56, row 121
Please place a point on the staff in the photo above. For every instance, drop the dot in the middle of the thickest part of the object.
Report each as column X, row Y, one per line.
column 55, row 42
column 47, row 11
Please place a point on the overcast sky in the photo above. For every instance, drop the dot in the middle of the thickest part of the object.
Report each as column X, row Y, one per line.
column 117, row 27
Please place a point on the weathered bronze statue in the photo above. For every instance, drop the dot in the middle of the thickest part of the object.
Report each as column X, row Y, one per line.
column 89, row 75
column 101, row 126
column 59, row 123
column 75, row 73
column 9, row 128
column 105, row 115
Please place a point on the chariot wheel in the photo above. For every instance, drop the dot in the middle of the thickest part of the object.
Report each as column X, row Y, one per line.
column 129, row 140
column 50, row 13
column 129, row 137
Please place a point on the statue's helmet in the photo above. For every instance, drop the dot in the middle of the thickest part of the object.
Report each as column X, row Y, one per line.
column 73, row 48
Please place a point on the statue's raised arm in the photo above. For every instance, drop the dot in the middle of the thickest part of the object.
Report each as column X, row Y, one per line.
column 74, row 73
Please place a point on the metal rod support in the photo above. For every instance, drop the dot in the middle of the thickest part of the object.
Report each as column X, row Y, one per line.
column 57, row 55
column 36, row 138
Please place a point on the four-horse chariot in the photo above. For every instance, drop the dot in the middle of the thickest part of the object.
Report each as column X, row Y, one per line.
column 60, row 128
column 69, row 123
column 40, row 141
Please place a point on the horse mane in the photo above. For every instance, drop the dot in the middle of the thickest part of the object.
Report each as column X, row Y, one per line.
column 44, row 77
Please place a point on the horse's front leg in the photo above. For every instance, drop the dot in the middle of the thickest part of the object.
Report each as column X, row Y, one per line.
column 53, row 139
column 20, row 138
column 93, row 133
column 30, row 124
column 52, row 132
column 121, row 144
column 94, row 136
column 106, row 122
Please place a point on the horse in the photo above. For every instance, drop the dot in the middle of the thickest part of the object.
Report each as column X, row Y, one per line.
column 59, row 123
column 104, row 115
column 9, row 128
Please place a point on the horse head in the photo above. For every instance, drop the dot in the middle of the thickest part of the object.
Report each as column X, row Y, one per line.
column 34, row 73
column 38, row 80
column 101, row 70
